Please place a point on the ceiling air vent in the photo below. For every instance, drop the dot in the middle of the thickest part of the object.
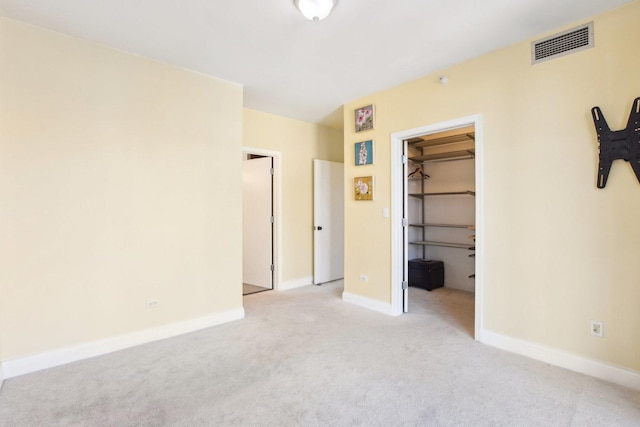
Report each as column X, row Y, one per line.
column 571, row 41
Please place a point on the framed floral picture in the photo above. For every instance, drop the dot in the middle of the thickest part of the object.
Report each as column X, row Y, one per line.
column 363, row 186
column 363, row 153
column 364, row 118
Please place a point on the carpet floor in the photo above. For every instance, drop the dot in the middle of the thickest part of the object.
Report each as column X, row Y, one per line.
column 306, row 358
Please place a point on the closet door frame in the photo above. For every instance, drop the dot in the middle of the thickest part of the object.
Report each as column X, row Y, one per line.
column 398, row 203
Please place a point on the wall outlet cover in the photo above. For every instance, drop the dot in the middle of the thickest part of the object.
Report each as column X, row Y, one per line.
column 597, row 328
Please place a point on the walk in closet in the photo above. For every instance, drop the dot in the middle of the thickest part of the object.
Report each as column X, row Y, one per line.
column 441, row 203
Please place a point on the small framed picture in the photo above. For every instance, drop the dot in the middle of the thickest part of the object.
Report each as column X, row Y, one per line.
column 363, row 187
column 364, row 118
column 363, row 153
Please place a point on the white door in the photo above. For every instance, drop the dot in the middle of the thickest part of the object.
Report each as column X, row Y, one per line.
column 328, row 221
column 257, row 226
column 405, row 231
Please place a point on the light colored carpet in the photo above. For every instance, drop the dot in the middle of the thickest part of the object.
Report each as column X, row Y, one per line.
column 305, row 358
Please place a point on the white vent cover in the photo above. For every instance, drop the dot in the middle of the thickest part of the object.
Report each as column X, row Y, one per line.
column 571, row 41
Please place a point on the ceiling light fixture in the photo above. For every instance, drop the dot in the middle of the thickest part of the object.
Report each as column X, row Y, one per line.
column 315, row 10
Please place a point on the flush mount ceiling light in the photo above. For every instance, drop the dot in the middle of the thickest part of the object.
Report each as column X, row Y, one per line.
column 315, row 10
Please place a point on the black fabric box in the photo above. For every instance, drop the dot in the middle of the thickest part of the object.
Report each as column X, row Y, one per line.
column 426, row 274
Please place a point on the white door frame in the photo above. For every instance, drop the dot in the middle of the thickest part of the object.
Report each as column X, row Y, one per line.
column 397, row 201
column 277, row 207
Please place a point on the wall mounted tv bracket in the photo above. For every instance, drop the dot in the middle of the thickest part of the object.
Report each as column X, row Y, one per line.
column 621, row 144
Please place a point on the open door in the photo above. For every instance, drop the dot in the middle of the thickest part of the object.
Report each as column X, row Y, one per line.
column 405, row 230
column 447, row 226
column 257, row 223
column 328, row 219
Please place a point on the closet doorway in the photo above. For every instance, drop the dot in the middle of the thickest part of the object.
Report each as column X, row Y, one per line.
column 258, row 222
column 437, row 206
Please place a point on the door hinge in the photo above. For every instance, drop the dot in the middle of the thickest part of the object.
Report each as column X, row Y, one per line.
column 404, row 159
column 272, row 267
column 405, row 222
column 272, row 171
column 405, row 285
column 273, row 220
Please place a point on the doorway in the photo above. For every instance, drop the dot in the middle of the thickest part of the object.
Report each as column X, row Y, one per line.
column 405, row 234
column 260, row 221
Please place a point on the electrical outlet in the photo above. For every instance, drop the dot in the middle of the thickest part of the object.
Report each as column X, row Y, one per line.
column 152, row 303
column 364, row 278
column 597, row 328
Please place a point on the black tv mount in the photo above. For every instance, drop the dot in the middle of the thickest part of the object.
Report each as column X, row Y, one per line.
column 621, row 144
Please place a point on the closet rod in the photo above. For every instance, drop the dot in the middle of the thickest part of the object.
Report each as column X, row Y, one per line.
column 444, row 156
column 442, row 225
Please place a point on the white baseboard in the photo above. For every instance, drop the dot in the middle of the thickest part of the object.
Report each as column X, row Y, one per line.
column 370, row 303
column 25, row 365
column 295, row 283
column 604, row 371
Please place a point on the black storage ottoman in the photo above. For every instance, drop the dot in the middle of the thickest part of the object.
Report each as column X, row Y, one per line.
column 426, row 274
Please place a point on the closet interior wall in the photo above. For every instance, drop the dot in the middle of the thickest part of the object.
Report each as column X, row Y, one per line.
column 441, row 203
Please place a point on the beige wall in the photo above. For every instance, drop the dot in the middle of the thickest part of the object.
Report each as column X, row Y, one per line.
column 559, row 251
column 299, row 143
column 120, row 181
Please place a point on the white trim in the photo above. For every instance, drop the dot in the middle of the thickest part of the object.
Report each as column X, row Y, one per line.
column 371, row 304
column 37, row 362
column 296, row 283
column 277, row 214
column 397, row 230
column 479, row 231
column 397, row 248
column 604, row 371
column 1, row 375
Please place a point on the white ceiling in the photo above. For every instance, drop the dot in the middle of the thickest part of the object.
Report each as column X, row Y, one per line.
column 298, row 68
